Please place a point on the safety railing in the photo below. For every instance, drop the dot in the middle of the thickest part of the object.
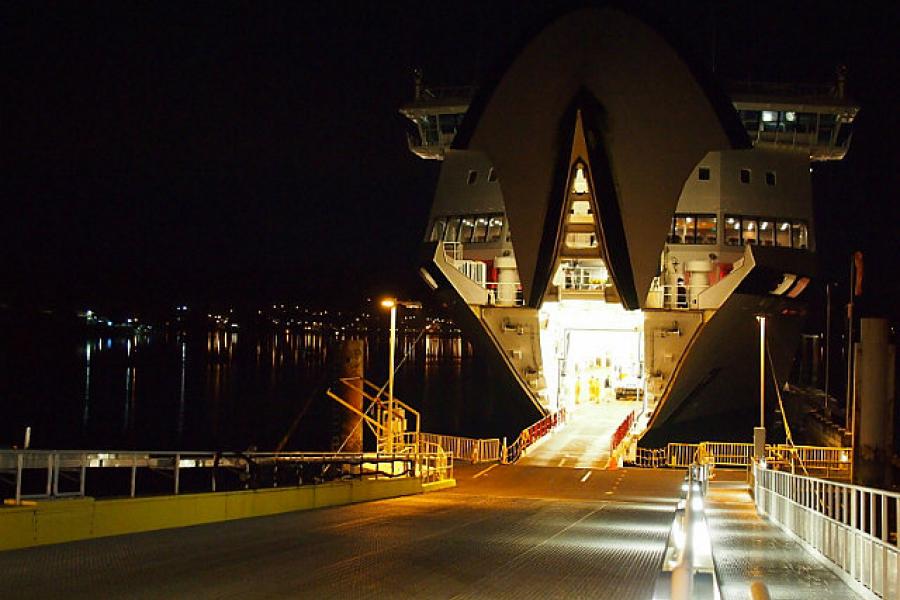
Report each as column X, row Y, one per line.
column 854, row 527
column 621, row 432
column 687, row 571
column 474, row 450
column 36, row 474
column 530, row 435
column 829, row 462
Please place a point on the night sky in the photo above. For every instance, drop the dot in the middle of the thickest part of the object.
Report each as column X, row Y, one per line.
column 216, row 152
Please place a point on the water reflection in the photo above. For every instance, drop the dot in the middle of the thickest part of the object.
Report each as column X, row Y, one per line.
column 220, row 389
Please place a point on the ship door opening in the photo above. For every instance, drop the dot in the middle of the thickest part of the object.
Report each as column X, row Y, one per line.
column 592, row 353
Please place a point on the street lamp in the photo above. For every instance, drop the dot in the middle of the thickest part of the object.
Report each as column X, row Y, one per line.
column 759, row 433
column 392, row 304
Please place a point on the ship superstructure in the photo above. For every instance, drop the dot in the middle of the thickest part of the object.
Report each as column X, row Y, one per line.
column 599, row 249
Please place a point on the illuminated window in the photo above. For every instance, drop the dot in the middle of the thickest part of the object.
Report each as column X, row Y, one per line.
column 766, row 234
column 683, row 230
column 472, row 178
column 703, row 173
column 481, row 228
column 783, row 234
column 580, row 241
column 707, row 229
column 770, row 177
column 580, row 183
column 750, row 231
column 466, row 227
column 745, row 175
column 732, row 230
column 495, row 228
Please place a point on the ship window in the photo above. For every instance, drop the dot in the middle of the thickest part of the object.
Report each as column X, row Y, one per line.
column 826, row 128
column 492, row 175
column 806, row 122
column 448, row 123
column 732, row 231
column 783, row 234
column 481, row 228
column 495, row 228
column 703, row 173
column 472, row 177
column 844, row 133
column 429, row 128
column 466, row 227
column 750, row 118
column 580, row 183
column 800, row 235
column 450, row 234
column 745, row 175
column 683, row 230
column 766, row 234
column 578, row 241
column 706, row 229
column 770, row 177
column 749, row 232
column 437, row 230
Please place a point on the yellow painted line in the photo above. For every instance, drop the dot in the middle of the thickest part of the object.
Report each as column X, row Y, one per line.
column 483, row 471
column 586, row 477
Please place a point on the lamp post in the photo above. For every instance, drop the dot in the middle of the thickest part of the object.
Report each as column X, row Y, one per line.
column 759, row 433
column 392, row 304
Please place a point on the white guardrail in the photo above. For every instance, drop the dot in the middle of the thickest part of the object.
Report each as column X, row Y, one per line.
column 856, row 528
column 463, row 448
column 688, row 570
column 36, row 474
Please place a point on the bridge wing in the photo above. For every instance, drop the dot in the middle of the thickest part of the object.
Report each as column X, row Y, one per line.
column 657, row 121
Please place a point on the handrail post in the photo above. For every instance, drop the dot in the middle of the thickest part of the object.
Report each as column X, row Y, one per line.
column 133, row 474
column 177, row 474
column 82, row 482
column 19, row 465
column 49, row 473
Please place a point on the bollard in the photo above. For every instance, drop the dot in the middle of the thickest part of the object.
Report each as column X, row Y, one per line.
column 758, row 590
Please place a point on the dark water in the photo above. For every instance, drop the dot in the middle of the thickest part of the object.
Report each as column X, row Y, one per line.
column 210, row 390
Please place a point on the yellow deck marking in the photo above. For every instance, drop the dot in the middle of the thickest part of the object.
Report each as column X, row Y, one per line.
column 483, row 472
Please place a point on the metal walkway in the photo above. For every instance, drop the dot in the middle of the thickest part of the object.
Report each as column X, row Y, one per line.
column 554, row 525
column 747, row 547
column 511, row 532
column 584, row 441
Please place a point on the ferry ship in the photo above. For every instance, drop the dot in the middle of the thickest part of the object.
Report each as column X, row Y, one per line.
column 609, row 224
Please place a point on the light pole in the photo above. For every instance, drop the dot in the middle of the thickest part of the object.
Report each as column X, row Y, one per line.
column 392, row 304
column 759, row 433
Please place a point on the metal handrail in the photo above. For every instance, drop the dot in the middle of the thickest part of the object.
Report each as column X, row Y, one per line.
column 475, row 450
column 854, row 527
column 830, row 461
column 61, row 473
column 530, row 435
column 687, row 571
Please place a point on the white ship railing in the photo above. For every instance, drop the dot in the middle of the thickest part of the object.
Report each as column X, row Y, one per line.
column 474, row 450
column 856, row 528
column 44, row 474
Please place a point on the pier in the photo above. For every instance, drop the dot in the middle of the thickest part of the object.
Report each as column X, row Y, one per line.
column 560, row 522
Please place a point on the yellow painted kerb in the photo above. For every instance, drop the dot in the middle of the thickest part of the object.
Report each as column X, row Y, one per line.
column 58, row 521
